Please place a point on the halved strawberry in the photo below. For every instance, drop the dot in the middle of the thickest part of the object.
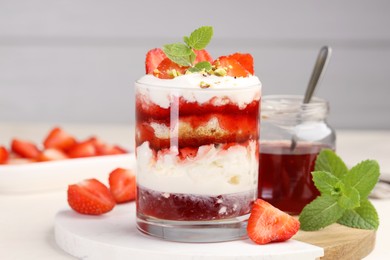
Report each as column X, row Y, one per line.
column 202, row 55
column 3, row 155
column 83, row 149
column 153, row 58
column 232, row 66
column 51, row 154
column 167, row 68
column 59, row 139
column 122, row 185
column 268, row 224
column 103, row 148
column 245, row 59
column 90, row 197
column 24, row 148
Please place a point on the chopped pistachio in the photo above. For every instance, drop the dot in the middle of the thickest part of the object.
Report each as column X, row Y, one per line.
column 220, row 72
column 203, row 84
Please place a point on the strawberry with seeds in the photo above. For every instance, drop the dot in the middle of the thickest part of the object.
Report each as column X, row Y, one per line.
column 153, row 58
column 90, row 197
column 268, row 224
column 168, row 69
column 122, row 185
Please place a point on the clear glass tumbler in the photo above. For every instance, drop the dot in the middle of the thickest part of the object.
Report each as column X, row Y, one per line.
column 197, row 161
column 292, row 135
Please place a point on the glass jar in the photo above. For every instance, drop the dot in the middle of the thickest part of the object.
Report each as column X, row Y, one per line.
column 292, row 135
column 197, row 168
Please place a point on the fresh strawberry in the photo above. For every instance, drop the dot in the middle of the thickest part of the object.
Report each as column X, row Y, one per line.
column 90, row 197
column 153, row 58
column 122, row 185
column 232, row 66
column 268, row 224
column 59, row 139
column 3, row 155
column 83, row 149
column 167, row 68
column 51, row 154
column 202, row 55
column 24, row 148
column 245, row 59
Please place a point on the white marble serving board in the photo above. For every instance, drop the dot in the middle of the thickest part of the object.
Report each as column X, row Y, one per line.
column 115, row 236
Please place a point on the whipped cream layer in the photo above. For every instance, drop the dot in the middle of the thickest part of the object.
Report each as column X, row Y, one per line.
column 222, row 90
column 213, row 171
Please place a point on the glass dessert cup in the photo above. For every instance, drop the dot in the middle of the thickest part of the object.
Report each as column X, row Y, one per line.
column 197, row 161
column 292, row 136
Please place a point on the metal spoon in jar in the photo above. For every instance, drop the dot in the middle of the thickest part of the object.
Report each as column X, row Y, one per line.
column 318, row 71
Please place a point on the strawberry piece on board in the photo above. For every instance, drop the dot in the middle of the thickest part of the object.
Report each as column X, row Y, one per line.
column 232, row 67
column 90, row 197
column 268, row 224
column 167, row 69
column 153, row 58
column 59, row 139
column 245, row 59
column 3, row 155
column 202, row 55
column 24, row 148
column 123, row 185
column 51, row 154
column 83, row 149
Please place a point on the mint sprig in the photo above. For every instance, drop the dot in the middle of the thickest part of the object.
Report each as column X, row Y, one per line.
column 183, row 53
column 343, row 196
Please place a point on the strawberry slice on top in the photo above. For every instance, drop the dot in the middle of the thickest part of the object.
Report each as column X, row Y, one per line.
column 245, row 59
column 202, row 55
column 168, row 69
column 123, row 185
column 269, row 224
column 232, row 66
column 90, row 197
column 153, row 58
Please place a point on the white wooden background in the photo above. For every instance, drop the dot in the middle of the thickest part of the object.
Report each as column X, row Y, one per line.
column 76, row 60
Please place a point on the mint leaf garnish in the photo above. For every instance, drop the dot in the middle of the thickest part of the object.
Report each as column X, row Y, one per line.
column 200, row 38
column 363, row 177
column 325, row 182
column 328, row 161
column 321, row 212
column 343, row 194
column 178, row 53
column 349, row 197
column 183, row 53
column 364, row 217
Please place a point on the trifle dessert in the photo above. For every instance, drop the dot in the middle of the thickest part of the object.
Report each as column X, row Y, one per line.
column 197, row 131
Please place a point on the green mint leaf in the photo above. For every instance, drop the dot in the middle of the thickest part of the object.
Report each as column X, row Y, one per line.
column 203, row 65
column 349, row 197
column 200, row 38
column 325, row 182
column 186, row 40
column 364, row 217
column 192, row 56
column 328, row 161
column 363, row 177
column 321, row 212
column 178, row 53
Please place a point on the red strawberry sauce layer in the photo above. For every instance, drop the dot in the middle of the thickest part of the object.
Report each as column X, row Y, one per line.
column 239, row 124
column 189, row 207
